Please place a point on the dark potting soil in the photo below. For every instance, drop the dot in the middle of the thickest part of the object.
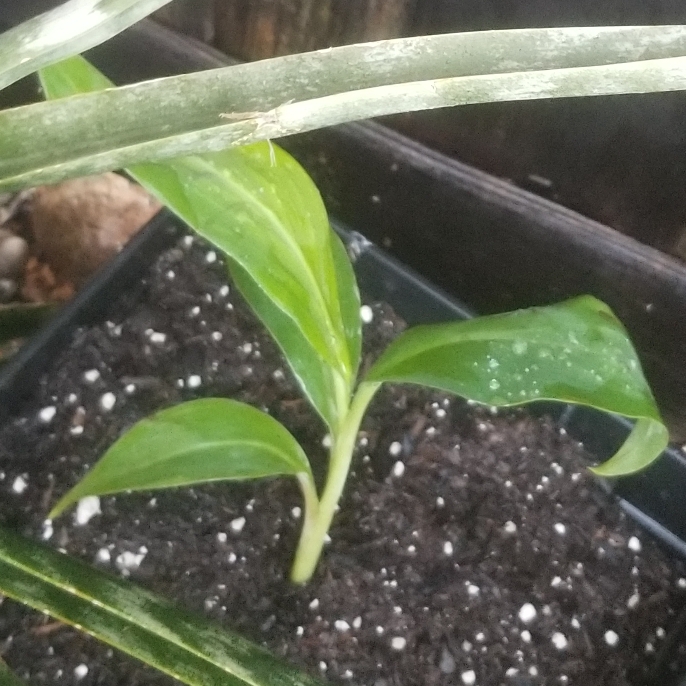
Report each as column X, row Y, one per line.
column 471, row 547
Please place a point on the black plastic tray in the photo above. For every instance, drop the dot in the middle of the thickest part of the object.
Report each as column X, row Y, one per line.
column 379, row 275
column 510, row 249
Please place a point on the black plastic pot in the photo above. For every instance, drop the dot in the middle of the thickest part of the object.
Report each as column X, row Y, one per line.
column 489, row 243
column 510, row 249
column 494, row 246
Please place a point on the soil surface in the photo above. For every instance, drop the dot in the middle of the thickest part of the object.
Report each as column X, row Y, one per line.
column 472, row 547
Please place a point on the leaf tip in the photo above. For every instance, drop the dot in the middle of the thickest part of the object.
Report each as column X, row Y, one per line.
column 62, row 505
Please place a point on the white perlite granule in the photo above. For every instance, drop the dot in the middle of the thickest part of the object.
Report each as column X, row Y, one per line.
column 87, row 508
column 611, row 638
column 80, row 672
column 527, row 613
column 237, row 524
column 108, row 401
column 47, row 414
column 366, row 314
column 559, row 640
column 398, row 643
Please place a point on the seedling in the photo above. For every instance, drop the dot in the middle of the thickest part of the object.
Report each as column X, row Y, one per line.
column 260, row 208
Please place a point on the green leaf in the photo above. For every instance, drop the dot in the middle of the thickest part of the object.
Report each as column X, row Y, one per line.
column 66, row 30
column 212, row 439
column 574, row 352
column 127, row 617
column 260, row 208
column 647, row 440
column 316, row 379
column 220, row 108
column 70, row 77
column 7, row 678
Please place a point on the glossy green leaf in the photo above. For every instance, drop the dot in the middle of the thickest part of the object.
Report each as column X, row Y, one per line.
column 261, row 209
column 220, row 108
column 212, row 439
column 316, row 379
column 647, row 440
column 70, row 77
column 574, row 352
column 7, row 678
column 259, row 206
column 66, row 30
column 127, row 617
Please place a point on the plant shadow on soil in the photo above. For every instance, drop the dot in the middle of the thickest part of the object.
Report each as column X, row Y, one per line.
column 471, row 546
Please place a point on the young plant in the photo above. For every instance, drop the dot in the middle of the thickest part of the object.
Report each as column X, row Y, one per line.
column 259, row 207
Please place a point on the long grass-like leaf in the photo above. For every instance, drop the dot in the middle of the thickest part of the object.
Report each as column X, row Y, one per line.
column 236, row 105
column 135, row 621
column 66, row 30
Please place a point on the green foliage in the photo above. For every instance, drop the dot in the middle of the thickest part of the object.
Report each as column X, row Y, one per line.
column 198, row 441
column 258, row 206
column 295, row 274
column 575, row 352
column 135, row 621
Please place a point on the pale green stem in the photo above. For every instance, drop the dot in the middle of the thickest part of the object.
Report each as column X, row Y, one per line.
column 316, row 525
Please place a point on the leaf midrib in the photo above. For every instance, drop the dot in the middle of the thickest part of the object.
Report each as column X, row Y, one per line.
column 468, row 338
column 267, row 447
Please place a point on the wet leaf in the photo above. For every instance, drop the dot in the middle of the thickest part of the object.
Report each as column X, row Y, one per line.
column 129, row 618
column 213, row 439
column 574, row 352
column 260, row 208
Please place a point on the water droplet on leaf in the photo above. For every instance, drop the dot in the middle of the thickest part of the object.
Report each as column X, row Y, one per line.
column 519, row 347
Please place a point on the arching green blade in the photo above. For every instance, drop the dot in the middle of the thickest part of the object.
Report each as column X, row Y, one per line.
column 125, row 616
column 67, row 30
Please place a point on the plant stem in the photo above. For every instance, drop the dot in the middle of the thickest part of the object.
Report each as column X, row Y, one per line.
column 317, row 525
